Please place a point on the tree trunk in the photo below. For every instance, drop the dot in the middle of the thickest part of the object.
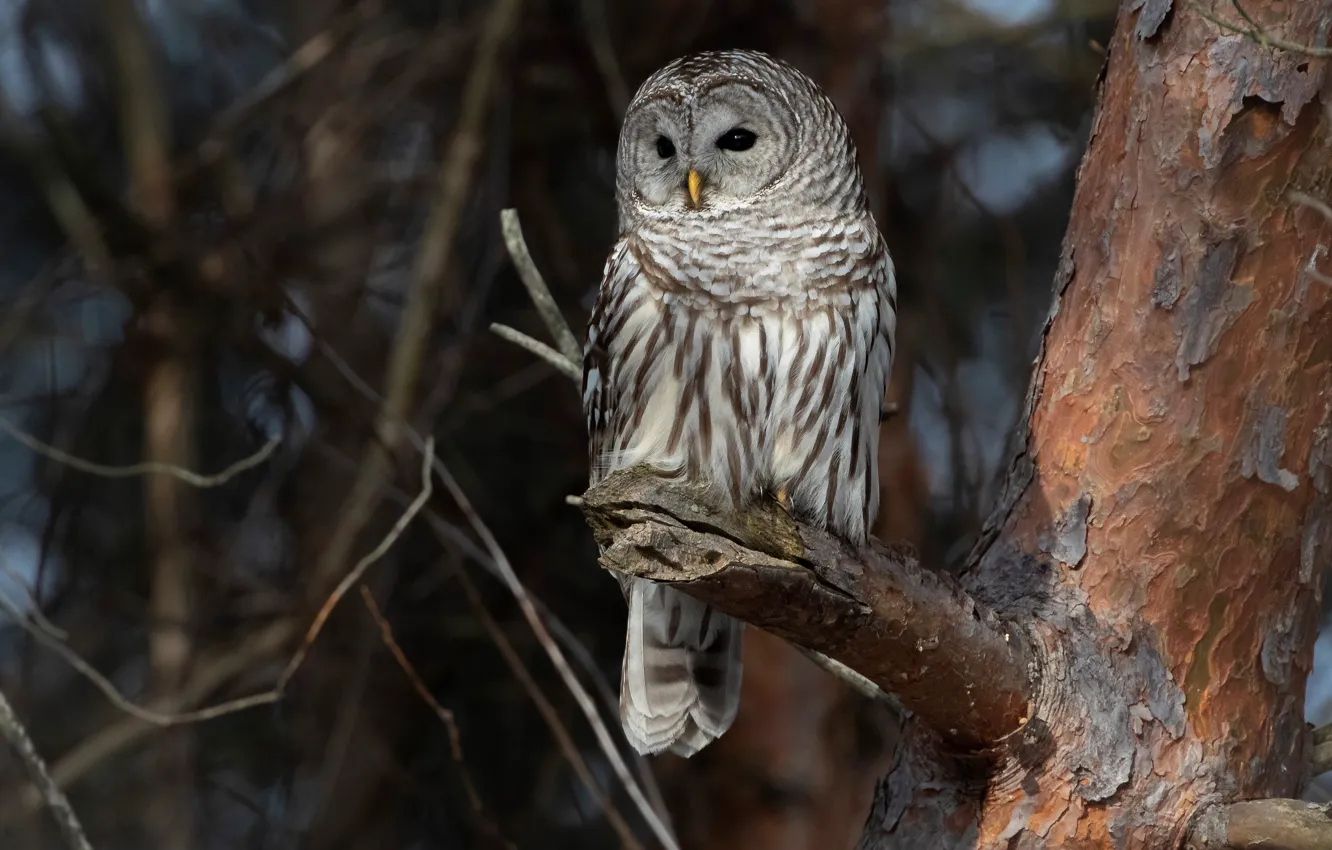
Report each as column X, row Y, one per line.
column 1166, row 522
column 1125, row 658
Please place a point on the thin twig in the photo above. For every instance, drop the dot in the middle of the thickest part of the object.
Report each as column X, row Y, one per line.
column 486, row 559
column 563, row 739
column 144, row 125
column 427, row 487
column 445, row 716
column 18, row 738
column 63, row 198
column 603, row 51
column 567, row 367
column 1260, row 34
column 302, row 61
column 537, row 289
column 40, row 631
column 1304, row 199
column 1320, row 206
column 855, row 681
column 433, row 261
column 47, row 636
column 580, row 694
column 207, row 673
column 135, row 470
column 34, row 605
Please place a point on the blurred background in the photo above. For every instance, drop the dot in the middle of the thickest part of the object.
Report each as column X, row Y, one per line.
column 215, row 217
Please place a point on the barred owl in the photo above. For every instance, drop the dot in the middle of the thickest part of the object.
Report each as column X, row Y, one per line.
column 742, row 337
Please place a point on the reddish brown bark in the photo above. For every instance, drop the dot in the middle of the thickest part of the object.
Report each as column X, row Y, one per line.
column 1165, row 523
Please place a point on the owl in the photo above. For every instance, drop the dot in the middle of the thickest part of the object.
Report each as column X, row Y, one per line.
column 742, row 339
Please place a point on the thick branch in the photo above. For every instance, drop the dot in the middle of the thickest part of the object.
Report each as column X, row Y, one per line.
column 912, row 632
column 1269, row 824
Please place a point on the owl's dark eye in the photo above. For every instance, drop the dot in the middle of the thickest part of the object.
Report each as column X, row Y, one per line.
column 665, row 149
column 736, row 139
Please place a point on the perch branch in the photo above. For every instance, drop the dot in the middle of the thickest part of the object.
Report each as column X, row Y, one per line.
column 1266, row 824
column 18, row 738
column 913, row 633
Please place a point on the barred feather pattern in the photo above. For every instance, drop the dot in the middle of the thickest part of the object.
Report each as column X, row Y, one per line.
column 749, row 349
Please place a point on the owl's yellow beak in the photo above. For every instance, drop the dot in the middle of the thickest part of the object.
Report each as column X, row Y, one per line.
column 695, row 186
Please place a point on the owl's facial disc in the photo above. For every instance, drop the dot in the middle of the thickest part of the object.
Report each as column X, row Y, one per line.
column 719, row 150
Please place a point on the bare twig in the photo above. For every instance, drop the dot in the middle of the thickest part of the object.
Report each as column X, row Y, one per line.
column 1259, row 33
column 18, row 738
column 40, row 630
column 1322, row 208
column 568, row 368
column 427, row 487
column 432, row 265
column 135, row 470
column 537, row 289
column 166, row 717
column 603, row 51
column 445, row 716
column 206, row 674
column 1304, row 199
column 858, row 683
column 144, row 125
column 62, row 196
column 580, row 694
column 34, row 605
column 542, row 621
column 302, row 61
column 563, row 739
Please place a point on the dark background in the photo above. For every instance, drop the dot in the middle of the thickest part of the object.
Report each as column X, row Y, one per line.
column 970, row 117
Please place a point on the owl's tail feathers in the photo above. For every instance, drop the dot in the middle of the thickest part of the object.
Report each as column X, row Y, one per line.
column 680, row 684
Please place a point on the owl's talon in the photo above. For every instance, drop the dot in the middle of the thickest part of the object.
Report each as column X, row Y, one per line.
column 784, row 499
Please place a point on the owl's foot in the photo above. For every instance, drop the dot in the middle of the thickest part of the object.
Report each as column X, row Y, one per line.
column 784, row 499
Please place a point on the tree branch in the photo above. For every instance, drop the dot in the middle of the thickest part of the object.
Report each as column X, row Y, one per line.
column 1260, row 34
column 194, row 479
column 537, row 289
column 1266, row 824
column 12, row 730
column 911, row 632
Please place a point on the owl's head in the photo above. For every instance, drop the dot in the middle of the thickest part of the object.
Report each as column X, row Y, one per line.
column 727, row 131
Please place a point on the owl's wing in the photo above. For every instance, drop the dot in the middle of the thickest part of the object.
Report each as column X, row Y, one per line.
column 885, row 342
column 600, row 388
